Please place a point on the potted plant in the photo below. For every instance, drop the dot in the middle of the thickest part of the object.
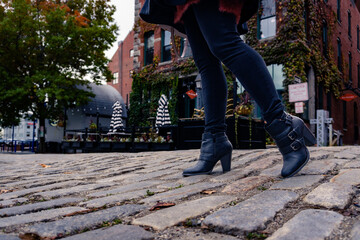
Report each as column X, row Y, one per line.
column 92, row 126
column 160, row 143
column 142, row 143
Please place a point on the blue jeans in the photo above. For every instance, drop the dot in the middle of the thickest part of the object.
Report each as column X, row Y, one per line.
column 213, row 38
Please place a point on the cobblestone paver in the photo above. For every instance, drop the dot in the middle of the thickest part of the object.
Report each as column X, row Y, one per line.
column 103, row 196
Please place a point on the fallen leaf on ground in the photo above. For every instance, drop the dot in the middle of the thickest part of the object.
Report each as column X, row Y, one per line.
column 162, row 205
column 5, row 191
column 208, row 192
column 45, row 166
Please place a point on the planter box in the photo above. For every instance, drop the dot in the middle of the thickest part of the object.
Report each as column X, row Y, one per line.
column 89, row 145
column 161, row 146
column 141, row 146
column 120, row 146
column 65, row 144
column 77, row 144
column 190, row 133
column 105, row 146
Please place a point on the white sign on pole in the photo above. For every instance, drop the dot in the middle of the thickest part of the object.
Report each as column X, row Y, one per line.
column 298, row 92
column 299, row 107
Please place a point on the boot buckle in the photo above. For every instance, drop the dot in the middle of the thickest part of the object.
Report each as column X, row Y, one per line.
column 296, row 145
column 292, row 135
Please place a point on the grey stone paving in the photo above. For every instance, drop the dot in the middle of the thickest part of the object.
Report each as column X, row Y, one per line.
column 298, row 182
column 118, row 232
column 104, row 196
column 251, row 214
column 179, row 193
column 39, row 216
column 12, row 202
column 355, row 231
column 174, row 215
column 8, row 237
column 330, row 195
column 74, row 224
column 309, row 225
column 37, row 206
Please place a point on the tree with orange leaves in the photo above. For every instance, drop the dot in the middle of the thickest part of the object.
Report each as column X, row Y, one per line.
column 47, row 49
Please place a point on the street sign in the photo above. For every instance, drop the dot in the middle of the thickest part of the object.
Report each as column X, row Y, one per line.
column 299, row 107
column 191, row 94
column 348, row 97
column 298, row 92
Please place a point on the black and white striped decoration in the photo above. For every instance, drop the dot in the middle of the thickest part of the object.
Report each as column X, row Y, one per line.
column 162, row 114
column 116, row 124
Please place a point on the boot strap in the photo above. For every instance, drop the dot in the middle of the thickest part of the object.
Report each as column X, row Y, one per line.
column 294, row 146
column 291, row 142
column 290, row 137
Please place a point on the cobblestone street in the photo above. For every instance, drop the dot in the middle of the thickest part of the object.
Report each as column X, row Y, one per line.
column 110, row 196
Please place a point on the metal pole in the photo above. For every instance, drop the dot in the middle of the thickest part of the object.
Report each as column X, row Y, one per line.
column 33, row 141
column 12, row 138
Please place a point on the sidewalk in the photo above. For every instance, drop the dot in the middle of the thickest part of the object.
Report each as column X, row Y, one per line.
column 109, row 196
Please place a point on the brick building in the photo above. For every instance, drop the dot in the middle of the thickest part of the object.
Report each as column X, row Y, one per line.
column 121, row 66
column 346, row 49
column 343, row 43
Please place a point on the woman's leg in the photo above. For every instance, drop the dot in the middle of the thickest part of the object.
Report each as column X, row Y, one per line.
column 213, row 80
column 220, row 33
column 215, row 145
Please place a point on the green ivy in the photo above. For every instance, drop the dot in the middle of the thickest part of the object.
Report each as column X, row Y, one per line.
column 150, row 83
column 295, row 49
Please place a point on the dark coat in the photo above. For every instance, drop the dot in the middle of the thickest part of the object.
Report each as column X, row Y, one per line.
column 162, row 12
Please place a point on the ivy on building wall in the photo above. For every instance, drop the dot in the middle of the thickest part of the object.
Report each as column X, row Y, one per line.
column 150, row 83
column 297, row 44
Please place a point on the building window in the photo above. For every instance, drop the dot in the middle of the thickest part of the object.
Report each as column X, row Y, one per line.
column 338, row 11
column 339, row 58
column 148, row 47
column 357, row 38
column 350, row 67
column 131, row 53
column 277, row 75
column 165, row 46
column 325, row 38
column 116, row 78
column 267, row 21
column 349, row 24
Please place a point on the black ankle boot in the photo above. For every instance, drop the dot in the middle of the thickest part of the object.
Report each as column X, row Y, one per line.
column 214, row 147
column 291, row 135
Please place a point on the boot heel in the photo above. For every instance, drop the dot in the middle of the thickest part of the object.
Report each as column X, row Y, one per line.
column 226, row 162
column 309, row 137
